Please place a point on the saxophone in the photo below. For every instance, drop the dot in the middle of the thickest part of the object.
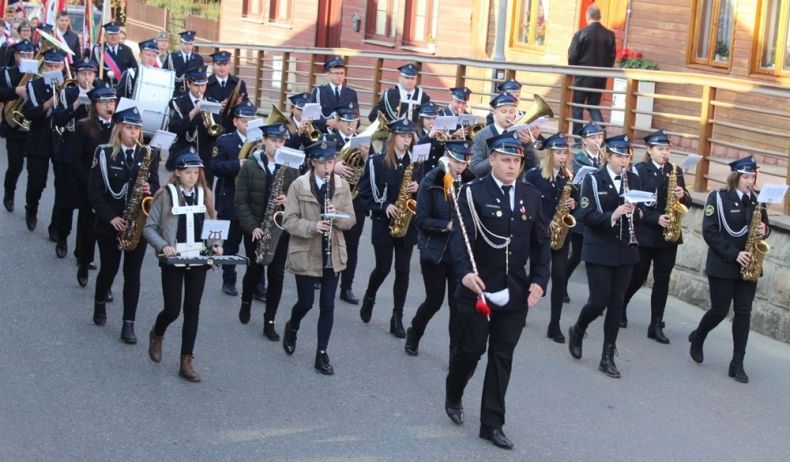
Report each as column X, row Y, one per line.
column 264, row 251
column 562, row 216
column 137, row 206
column 756, row 247
column 406, row 206
column 674, row 209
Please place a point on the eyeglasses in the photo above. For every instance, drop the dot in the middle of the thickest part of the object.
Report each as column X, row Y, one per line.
column 337, row 74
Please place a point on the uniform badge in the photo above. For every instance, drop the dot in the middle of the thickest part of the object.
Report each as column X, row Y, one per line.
column 585, row 202
column 214, row 152
column 498, row 213
column 95, row 162
column 709, row 210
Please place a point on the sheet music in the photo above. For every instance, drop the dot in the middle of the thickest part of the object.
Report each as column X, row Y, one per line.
column 162, row 140
column 689, row 164
column 210, row 106
column 254, row 123
column 215, row 229
column 124, row 104
column 53, row 77
column 447, row 123
column 360, row 141
column 583, row 172
column 420, row 152
column 311, row 111
column 636, row 196
column 772, row 193
column 28, row 66
column 467, row 119
column 289, row 157
column 254, row 134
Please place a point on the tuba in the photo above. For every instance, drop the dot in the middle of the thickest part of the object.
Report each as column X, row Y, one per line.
column 406, row 206
column 562, row 216
column 353, row 158
column 538, row 109
column 756, row 247
column 137, row 207
column 674, row 209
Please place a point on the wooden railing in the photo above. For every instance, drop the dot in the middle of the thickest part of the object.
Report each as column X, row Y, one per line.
column 716, row 117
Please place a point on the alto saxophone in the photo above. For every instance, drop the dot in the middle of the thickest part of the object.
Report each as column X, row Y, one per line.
column 562, row 216
column 137, row 206
column 264, row 251
column 406, row 206
column 756, row 247
column 674, row 209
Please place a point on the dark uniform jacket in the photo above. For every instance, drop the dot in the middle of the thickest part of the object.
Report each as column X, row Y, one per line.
column 605, row 244
column 175, row 62
column 296, row 140
column 437, row 150
column 725, row 228
column 189, row 132
column 215, row 92
column 65, row 117
column 649, row 231
column 124, row 59
column 73, row 41
column 84, row 146
column 225, row 165
column 125, row 87
column 579, row 160
column 40, row 139
column 525, row 227
column 118, row 174
column 434, row 212
column 253, row 189
column 595, row 46
column 390, row 102
column 550, row 191
column 325, row 96
column 479, row 162
column 9, row 80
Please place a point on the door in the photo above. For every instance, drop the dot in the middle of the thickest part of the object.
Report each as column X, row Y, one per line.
column 329, row 24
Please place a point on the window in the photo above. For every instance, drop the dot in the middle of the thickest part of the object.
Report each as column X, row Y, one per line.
column 713, row 32
column 280, row 11
column 773, row 42
column 530, row 19
column 380, row 22
column 418, row 28
column 252, row 9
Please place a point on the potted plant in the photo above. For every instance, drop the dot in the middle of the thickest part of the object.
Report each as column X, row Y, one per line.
column 630, row 59
column 722, row 51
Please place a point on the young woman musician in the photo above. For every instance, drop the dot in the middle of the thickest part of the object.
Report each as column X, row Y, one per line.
column 433, row 220
column 253, row 197
column 426, row 134
column 380, row 188
column 551, row 179
column 168, row 233
column 609, row 250
column 112, row 182
column 317, row 251
column 726, row 227
column 655, row 173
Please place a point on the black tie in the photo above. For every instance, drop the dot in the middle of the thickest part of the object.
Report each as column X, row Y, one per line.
column 222, row 84
column 189, row 199
column 594, row 161
column 337, row 93
column 617, row 178
column 408, row 97
column 506, row 191
column 129, row 157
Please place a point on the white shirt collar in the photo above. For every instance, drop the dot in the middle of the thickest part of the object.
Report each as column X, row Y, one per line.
column 222, row 81
column 593, row 155
column 612, row 174
column 512, row 192
column 243, row 137
column 659, row 167
column 124, row 147
column 184, row 192
column 318, row 181
column 335, row 87
column 499, row 129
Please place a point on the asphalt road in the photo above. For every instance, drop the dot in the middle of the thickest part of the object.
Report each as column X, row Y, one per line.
column 71, row 391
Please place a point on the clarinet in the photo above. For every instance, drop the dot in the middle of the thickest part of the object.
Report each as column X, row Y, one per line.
column 632, row 242
column 328, row 234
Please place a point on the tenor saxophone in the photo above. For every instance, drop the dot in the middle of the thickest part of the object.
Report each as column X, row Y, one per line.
column 264, row 251
column 562, row 216
column 137, row 206
column 674, row 209
column 406, row 206
column 756, row 247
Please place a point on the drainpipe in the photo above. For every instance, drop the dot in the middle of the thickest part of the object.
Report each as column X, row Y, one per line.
column 501, row 25
column 627, row 24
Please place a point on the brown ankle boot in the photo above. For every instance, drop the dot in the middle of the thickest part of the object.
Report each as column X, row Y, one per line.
column 155, row 346
column 186, row 370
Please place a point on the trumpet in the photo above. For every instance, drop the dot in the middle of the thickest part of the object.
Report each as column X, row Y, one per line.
column 309, row 132
column 212, row 127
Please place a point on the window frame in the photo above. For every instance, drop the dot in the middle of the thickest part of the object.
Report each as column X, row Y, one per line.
column 533, row 18
column 696, row 22
column 274, row 9
column 407, row 38
column 245, row 13
column 760, row 27
column 370, row 21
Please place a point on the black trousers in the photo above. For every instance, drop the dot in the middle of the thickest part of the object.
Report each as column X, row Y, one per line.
column 501, row 333
column 86, row 240
column 37, row 170
column 577, row 240
column 663, row 260
column 559, row 281
column 191, row 280
column 723, row 293
column 384, row 254
column 585, row 97
column 436, row 277
column 16, row 160
column 110, row 258
column 607, row 290
column 276, row 273
column 65, row 199
column 305, row 293
column 231, row 247
column 352, row 248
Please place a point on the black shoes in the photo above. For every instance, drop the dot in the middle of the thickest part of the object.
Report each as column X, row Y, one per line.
column 624, row 320
column 269, row 332
column 53, row 233
column 260, row 295
column 396, row 324
column 230, row 289
column 607, row 365
column 61, row 249
column 366, row 312
column 575, row 337
column 348, row 296
column 82, row 276
column 736, row 369
column 455, row 411
column 30, row 220
column 289, row 339
column 8, row 202
column 109, row 298
column 695, row 351
column 99, row 314
column 555, row 333
column 127, row 333
column 496, row 436
column 92, row 266
column 566, row 299
column 322, row 363
column 244, row 312
column 412, row 343
column 655, row 332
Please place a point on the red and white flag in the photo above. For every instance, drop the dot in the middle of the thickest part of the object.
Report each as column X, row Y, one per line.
column 51, row 10
column 87, row 26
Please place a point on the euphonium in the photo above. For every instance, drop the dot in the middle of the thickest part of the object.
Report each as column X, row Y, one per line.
column 674, row 208
column 562, row 216
column 137, row 206
column 248, row 148
column 756, row 247
column 273, row 216
column 406, row 206
column 352, row 158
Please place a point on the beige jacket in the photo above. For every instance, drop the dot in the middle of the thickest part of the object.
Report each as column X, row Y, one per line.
column 302, row 213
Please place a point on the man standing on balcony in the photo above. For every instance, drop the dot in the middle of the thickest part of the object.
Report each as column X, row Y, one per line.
column 402, row 99
column 592, row 46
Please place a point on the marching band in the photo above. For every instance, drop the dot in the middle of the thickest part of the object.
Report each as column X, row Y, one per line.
column 497, row 214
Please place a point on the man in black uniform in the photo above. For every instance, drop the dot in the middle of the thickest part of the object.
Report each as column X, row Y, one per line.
column 117, row 56
column 296, row 126
column 183, row 59
column 10, row 90
column 506, row 228
column 39, row 145
column 221, row 86
column 513, row 88
column 402, row 99
column 149, row 50
column 459, row 102
column 334, row 95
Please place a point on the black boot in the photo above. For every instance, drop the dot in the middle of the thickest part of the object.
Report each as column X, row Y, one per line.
column 8, row 202
column 61, row 249
column 99, row 314
column 575, row 336
column 322, row 363
column 555, row 333
column 736, row 368
column 289, row 339
column 269, row 332
column 367, row 308
column 454, row 410
column 607, row 365
column 412, row 342
column 695, row 351
column 53, row 234
column 347, row 295
column 624, row 320
column 127, row 333
column 655, row 332
column 244, row 312
column 109, row 297
column 30, row 219
column 82, row 276
column 396, row 323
